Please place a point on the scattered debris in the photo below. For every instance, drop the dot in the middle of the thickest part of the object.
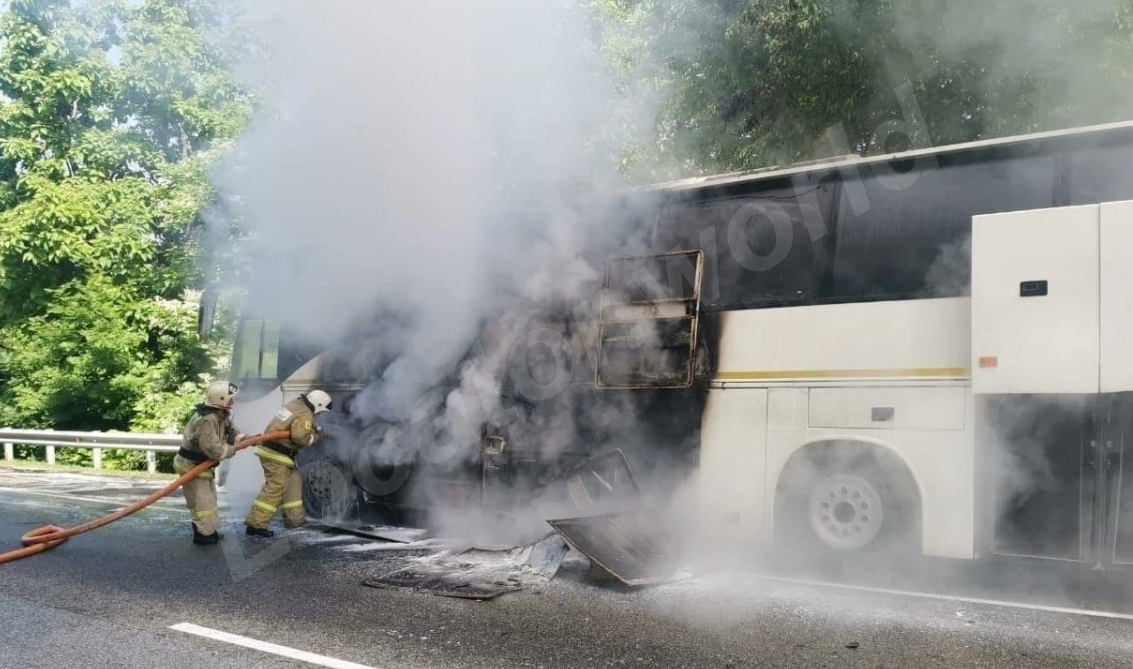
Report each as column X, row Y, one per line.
column 476, row 573
column 444, row 585
column 623, row 544
column 401, row 535
column 546, row 556
column 602, row 482
column 426, row 546
column 629, row 545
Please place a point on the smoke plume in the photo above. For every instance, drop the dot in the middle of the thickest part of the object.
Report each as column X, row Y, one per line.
column 431, row 166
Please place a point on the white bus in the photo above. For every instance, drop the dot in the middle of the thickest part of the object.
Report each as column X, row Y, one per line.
column 922, row 349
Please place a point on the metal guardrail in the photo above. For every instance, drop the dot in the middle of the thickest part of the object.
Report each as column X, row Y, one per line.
column 151, row 444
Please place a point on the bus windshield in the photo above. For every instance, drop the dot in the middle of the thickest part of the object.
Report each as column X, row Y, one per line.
column 264, row 355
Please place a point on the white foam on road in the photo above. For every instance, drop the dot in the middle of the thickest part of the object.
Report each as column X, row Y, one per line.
column 955, row 598
column 263, row 646
column 395, row 547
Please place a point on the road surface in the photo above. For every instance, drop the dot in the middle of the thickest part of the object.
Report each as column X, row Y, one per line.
column 139, row 594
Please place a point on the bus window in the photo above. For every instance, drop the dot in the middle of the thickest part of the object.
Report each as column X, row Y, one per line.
column 758, row 248
column 647, row 330
column 257, row 351
column 1099, row 175
column 891, row 248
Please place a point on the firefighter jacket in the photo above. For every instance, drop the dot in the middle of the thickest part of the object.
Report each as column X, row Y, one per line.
column 209, row 435
column 298, row 418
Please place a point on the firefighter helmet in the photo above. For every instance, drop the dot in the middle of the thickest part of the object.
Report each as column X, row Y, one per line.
column 320, row 401
column 220, row 394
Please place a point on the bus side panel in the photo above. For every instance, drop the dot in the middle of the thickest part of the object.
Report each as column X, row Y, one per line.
column 941, row 461
column 732, row 451
column 908, row 338
column 826, row 369
column 786, row 433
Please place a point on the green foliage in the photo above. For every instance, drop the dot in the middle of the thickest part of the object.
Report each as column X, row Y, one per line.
column 748, row 83
column 111, row 113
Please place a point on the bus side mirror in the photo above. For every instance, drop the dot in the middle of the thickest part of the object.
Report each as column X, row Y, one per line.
column 206, row 313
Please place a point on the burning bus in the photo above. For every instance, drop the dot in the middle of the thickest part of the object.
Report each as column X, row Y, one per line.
column 918, row 351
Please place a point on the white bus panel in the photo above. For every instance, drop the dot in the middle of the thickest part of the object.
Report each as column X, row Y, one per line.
column 906, row 339
column 1116, row 297
column 1035, row 301
column 890, row 375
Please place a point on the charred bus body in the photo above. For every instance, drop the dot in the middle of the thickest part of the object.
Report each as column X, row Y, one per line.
column 546, row 405
column 772, row 309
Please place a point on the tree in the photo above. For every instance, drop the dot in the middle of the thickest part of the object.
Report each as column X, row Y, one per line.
column 747, row 83
column 111, row 114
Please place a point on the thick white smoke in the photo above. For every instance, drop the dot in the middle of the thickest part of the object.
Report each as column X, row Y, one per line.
column 422, row 161
column 431, row 164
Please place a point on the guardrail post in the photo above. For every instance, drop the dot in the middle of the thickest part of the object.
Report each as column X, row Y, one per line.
column 151, row 462
column 50, row 455
column 9, row 451
column 96, row 456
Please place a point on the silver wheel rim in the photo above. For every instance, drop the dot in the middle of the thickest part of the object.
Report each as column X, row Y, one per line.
column 845, row 512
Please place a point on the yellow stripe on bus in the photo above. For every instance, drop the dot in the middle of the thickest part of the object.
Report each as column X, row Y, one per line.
column 921, row 372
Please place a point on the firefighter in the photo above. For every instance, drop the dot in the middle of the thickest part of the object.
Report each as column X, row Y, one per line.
column 283, row 486
column 209, row 435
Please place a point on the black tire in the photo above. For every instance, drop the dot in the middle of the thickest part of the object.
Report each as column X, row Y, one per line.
column 328, row 494
column 839, row 502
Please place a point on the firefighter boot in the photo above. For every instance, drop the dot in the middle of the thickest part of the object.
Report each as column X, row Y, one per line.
column 258, row 532
column 205, row 539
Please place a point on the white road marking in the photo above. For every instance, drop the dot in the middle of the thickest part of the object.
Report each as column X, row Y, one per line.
column 956, row 598
column 263, row 646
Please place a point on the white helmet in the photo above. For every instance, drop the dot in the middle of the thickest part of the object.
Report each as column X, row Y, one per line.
column 220, row 394
column 320, row 401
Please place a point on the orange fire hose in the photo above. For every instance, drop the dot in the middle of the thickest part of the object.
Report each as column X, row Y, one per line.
column 50, row 536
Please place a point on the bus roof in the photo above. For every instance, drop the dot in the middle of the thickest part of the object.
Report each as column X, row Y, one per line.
column 854, row 160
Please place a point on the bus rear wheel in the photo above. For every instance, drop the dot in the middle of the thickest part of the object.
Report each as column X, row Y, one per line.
column 845, row 501
column 328, row 495
column 845, row 511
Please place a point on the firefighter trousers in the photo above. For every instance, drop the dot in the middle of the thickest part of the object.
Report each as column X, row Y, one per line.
column 282, row 491
column 200, row 495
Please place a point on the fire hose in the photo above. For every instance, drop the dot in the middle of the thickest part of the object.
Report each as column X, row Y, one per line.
column 50, row 536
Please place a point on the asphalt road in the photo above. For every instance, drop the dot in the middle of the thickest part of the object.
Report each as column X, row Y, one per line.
column 111, row 597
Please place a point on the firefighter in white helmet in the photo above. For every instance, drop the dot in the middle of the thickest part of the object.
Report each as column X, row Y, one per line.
column 283, row 486
column 209, row 435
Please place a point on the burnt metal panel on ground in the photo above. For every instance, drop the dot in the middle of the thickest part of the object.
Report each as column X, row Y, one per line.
column 602, row 481
column 631, row 545
column 546, row 556
column 442, row 584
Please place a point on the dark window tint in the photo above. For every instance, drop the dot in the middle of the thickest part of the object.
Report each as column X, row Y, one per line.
column 913, row 242
column 758, row 249
column 657, row 278
column 1099, row 175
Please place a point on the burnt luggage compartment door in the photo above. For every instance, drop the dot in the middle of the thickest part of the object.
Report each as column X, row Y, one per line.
column 1044, row 462
column 648, row 325
column 1117, row 446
